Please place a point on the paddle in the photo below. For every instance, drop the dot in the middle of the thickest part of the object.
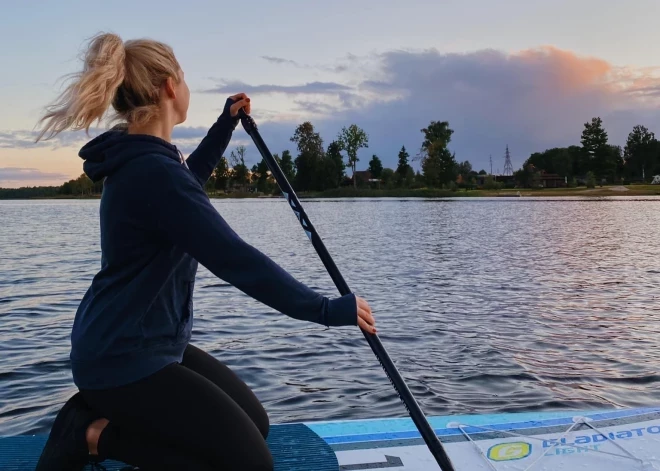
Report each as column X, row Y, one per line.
column 395, row 378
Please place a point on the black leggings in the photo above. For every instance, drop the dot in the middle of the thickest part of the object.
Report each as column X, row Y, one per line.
column 197, row 415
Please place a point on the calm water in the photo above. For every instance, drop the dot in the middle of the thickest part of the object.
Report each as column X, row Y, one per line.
column 484, row 305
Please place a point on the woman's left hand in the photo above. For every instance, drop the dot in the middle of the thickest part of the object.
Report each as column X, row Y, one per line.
column 366, row 319
column 241, row 101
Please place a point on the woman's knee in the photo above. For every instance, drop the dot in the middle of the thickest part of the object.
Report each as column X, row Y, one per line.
column 262, row 422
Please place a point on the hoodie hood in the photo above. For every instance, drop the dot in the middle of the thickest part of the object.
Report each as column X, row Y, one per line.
column 108, row 152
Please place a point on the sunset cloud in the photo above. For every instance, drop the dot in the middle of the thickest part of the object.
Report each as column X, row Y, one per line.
column 529, row 100
column 25, row 175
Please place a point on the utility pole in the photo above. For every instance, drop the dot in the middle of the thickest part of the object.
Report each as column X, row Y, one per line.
column 491, row 164
column 508, row 167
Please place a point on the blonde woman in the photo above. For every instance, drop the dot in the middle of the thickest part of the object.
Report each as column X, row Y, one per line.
column 148, row 397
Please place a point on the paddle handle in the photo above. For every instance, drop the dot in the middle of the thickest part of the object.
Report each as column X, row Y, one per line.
column 391, row 371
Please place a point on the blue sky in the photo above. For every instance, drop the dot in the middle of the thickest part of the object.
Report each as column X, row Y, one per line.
column 523, row 73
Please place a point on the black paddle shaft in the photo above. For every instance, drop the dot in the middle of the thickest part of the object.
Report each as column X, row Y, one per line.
column 395, row 378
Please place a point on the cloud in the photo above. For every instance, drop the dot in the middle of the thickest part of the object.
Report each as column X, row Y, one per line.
column 280, row 61
column 650, row 91
column 15, row 174
column 314, row 107
column 187, row 138
column 316, row 88
column 25, row 139
column 336, row 68
column 531, row 100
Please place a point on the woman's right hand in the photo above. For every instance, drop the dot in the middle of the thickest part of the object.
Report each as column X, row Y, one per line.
column 366, row 319
column 240, row 100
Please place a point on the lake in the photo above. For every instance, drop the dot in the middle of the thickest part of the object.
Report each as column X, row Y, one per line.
column 485, row 305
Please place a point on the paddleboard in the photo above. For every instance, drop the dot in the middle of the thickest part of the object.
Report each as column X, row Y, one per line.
column 602, row 440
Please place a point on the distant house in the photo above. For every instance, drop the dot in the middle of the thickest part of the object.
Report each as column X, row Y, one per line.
column 545, row 180
column 656, row 180
column 552, row 180
column 506, row 179
column 364, row 177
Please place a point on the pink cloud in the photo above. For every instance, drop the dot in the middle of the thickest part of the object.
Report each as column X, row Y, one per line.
column 531, row 100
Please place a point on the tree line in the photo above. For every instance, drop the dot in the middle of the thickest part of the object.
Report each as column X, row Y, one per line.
column 77, row 187
column 595, row 160
column 317, row 167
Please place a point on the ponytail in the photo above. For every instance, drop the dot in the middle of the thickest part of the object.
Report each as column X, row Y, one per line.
column 89, row 96
column 127, row 76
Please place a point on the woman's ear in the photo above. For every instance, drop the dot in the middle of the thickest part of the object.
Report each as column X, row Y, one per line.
column 170, row 89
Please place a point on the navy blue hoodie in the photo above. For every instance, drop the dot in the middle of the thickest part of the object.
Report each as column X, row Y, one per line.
column 156, row 224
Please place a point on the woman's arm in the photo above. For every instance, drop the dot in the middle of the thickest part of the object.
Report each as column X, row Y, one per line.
column 206, row 156
column 186, row 217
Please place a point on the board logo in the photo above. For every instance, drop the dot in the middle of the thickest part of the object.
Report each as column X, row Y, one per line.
column 509, row 451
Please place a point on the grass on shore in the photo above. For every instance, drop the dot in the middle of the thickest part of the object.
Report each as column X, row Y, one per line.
column 609, row 190
column 348, row 192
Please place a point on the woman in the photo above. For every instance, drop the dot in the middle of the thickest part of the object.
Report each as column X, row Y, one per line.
column 146, row 396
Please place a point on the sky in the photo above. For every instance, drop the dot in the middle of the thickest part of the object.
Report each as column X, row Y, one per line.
column 527, row 74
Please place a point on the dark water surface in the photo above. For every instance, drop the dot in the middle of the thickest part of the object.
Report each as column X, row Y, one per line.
column 485, row 305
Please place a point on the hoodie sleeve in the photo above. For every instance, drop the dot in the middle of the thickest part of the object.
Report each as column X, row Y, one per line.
column 186, row 217
column 206, row 156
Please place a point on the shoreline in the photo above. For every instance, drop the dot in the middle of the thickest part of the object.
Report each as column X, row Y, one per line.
column 605, row 191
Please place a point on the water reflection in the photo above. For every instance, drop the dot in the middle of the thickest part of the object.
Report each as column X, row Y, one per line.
column 484, row 305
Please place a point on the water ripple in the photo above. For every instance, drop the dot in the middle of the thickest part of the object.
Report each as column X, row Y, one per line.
column 484, row 305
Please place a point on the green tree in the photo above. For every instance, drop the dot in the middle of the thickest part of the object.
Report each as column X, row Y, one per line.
column 640, row 153
column 483, row 172
column 287, row 166
column 352, row 139
column 411, row 179
column 240, row 174
column 209, row 186
column 375, row 166
column 221, row 174
column 81, row 186
column 594, row 137
column 464, row 169
column 416, row 179
column 491, row 184
column 332, row 169
column 30, row 192
column 402, row 168
column 591, row 179
column 388, row 177
column 557, row 160
column 526, row 176
column 262, row 171
column 614, row 163
column 310, row 156
column 438, row 164
column 599, row 158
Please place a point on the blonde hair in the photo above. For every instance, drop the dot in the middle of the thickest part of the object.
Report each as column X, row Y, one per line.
column 127, row 75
